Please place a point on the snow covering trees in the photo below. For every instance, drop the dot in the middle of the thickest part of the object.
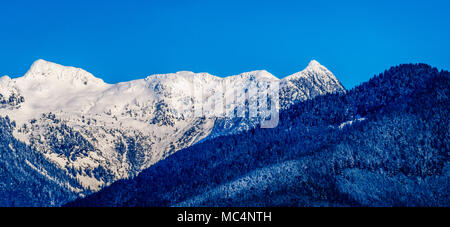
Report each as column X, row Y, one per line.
column 398, row 156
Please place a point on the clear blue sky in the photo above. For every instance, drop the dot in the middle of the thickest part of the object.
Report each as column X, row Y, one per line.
column 125, row 40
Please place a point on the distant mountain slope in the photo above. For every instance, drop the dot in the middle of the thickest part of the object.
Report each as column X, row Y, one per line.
column 384, row 143
column 89, row 134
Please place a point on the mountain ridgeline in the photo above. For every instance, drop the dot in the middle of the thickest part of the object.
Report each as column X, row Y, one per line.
column 65, row 134
column 386, row 142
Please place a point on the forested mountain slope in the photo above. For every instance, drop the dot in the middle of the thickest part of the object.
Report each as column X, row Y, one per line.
column 23, row 183
column 384, row 143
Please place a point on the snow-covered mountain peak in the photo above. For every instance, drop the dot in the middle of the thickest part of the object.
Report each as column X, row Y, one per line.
column 314, row 64
column 185, row 72
column 5, row 80
column 5, row 77
column 7, row 86
column 314, row 80
column 316, row 67
column 256, row 74
column 45, row 70
column 313, row 70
